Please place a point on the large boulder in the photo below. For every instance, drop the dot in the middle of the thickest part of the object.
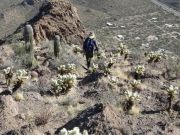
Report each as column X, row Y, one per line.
column 58, row 18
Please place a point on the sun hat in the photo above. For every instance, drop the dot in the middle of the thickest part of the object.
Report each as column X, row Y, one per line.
column 91, row 35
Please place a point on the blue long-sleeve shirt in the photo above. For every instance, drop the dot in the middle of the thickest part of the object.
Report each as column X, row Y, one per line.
column 90, row 45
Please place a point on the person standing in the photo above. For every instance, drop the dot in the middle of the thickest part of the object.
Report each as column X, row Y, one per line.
column 89, row 47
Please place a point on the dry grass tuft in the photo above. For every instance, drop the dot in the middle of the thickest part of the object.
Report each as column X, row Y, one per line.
column 18, row 96
column 43, row 118
column 134, row 111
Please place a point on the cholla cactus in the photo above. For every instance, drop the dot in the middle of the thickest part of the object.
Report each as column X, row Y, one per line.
column 126, row 54
column 8, row 72
column 131, row 97
column 108, row 65
column 155, row 56
column 21, row 76
column 63, row 84
column 135, row 84
column 139, row 70
column 95, row 67
column 77, row 49
column 171, row 92
column 113, row 79
column 122, row 48
column 75, row 131
column 65, row 69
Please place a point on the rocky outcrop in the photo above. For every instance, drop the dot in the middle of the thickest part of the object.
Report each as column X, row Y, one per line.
column 99, row 120
column 58, row 18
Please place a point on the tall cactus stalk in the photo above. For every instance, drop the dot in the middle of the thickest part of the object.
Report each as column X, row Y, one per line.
column 56, row 46
column 29, row 43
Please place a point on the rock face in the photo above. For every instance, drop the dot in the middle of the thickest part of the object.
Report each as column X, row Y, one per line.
column 8, row 110
column 58, row 18
column 98, row 120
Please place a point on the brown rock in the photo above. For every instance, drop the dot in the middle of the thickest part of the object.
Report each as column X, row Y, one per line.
column 59, row 18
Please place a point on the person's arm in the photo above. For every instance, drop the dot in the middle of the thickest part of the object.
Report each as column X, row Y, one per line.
column 96, row 47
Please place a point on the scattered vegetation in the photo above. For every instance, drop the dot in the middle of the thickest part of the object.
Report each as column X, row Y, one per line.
column 43, row 118
column 63, row 84
column 155, row 56
column 21, row 76
column 8, row 72
column 123, row 50
column 18, row 96
column 74, row 131
column 139, row 71
column 135, row 85
column 77, row 49
column 171, row 92
column 131, row 98
column 66, row 69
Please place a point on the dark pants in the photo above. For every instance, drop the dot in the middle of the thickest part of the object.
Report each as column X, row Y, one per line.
column 89, row 56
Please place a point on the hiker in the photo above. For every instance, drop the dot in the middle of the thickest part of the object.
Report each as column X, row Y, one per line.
column 89, row 47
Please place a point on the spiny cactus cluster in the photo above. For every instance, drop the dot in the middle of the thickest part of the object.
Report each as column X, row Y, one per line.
column 63, row 84
column 77, row 49
column 155, row 56
column 95, row 68
column 75, row 131
column 108, row 65
column 135, row 84
column 8, row 72
column 66, row 69
column 21, row 76
column 123, row 50
column 171, row 92
column 139, row 70
column 131, row 97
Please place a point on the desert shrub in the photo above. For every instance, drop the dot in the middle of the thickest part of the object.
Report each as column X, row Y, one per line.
column 74, row 131
column 155, row 56
column 43, row 118
column 66, row 69
column 171, row 92
column 63, row 84
column 8, row 72
column 131, row 98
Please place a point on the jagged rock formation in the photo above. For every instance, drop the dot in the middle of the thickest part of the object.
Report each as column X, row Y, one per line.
column 58, row 18
column 98, row 120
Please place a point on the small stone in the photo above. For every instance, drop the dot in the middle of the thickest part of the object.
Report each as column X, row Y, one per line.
column 152, row 38
column 109, row 24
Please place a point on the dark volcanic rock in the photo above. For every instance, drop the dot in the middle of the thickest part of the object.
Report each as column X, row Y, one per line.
column 98, row 120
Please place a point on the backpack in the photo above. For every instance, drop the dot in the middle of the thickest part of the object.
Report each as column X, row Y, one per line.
column 89, row 45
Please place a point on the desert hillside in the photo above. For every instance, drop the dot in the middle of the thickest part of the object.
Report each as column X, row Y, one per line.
column 131, row 87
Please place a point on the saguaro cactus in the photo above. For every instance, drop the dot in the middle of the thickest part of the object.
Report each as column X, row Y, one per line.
column 29, row 42
column 56, row 46
column 28, row 37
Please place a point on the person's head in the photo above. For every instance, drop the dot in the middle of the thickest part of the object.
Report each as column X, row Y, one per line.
column 91, row 35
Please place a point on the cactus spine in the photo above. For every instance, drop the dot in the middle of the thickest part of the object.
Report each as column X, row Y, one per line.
column 56, row 46
column 29, row 42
